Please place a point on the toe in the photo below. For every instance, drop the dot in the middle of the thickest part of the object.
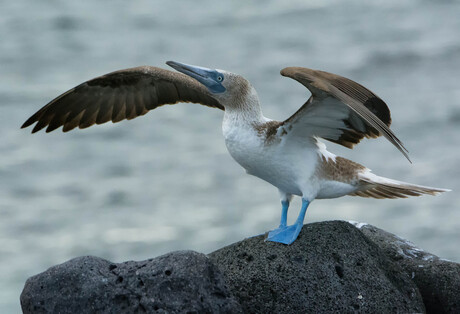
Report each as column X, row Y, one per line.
column 276, row 231
column 285, row 235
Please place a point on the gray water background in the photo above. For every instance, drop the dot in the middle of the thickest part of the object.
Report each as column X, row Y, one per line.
column 165, row 181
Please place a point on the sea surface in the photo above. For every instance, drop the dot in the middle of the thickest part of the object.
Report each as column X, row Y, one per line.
column 162, row 182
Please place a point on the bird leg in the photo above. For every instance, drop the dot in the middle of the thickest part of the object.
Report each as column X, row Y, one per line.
column 284, row 211
column 285, row 200
column 287, row 234
column 283, row 221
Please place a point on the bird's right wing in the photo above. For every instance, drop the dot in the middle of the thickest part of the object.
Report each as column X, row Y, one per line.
column 339, row 110
column 124, row 94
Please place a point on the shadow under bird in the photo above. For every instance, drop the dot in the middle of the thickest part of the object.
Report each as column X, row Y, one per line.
column 288, row 154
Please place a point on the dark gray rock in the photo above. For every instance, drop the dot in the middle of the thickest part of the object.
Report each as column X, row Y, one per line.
column 331, row 267
column 437, row 280
column 177, row 282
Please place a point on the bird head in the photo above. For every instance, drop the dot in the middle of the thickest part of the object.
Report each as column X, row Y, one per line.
column 228, row 88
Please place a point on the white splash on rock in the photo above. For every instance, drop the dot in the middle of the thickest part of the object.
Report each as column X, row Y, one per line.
column 409, row 250
column 400, row 246
column 358, row 225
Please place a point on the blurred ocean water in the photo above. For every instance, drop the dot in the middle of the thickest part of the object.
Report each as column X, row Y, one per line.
column 165, row 181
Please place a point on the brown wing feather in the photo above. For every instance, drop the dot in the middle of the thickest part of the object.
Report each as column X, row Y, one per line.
column 124, row 94
column 364, row 106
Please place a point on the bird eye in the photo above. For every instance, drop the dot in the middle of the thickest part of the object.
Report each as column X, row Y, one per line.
column 220, row 78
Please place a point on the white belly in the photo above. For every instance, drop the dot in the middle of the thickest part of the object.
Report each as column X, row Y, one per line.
column 333, row 189
column 289, row 169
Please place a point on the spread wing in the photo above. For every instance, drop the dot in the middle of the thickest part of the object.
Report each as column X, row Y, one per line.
column 339, row 110
column 124, row 94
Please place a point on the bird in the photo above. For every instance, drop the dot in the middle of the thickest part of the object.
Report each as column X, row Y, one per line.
column 289, row 154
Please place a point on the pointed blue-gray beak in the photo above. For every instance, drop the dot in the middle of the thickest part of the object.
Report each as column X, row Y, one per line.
column 212, row 79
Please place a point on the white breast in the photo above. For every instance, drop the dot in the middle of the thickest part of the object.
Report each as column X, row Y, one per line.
column 288, row 167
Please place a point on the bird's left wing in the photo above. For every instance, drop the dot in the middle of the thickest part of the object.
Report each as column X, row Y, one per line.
column 339, row 110
column 123, row 94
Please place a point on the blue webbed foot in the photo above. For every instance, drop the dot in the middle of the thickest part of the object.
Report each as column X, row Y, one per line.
column 286, row 234
column 274, row 232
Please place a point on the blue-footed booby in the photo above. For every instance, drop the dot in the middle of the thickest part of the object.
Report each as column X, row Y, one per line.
column 288, row 154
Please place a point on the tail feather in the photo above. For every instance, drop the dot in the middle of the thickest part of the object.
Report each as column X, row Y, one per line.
column 371, row 185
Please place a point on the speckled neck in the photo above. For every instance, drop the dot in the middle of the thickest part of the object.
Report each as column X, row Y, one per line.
column 245, row 110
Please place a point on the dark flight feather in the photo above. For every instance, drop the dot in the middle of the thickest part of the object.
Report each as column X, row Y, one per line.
column 124, row 94
column 368, row 115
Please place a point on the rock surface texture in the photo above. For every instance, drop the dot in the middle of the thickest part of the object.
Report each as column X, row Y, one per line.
column 438, row 280
column 333, row 266
column 177, row 282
